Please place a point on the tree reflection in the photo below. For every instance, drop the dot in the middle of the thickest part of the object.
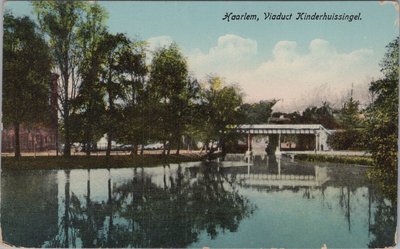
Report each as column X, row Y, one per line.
column 384, row 226
column 66, row 236
column 140, row 213
column 171, row 206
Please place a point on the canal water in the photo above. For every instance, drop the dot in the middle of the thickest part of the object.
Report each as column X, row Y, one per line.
column 272, row 203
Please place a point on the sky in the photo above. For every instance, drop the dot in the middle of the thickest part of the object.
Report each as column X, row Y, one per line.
column 299, row 62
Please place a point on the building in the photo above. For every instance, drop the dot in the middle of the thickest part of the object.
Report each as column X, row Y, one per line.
column 41, row 138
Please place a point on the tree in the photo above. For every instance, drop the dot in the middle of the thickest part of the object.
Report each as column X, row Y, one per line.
column 351, row 122
column 133, row 129
column 168, row 87
column 257, row 113
column 382, row 120
column 115, row 48
column 61, row 21
column 27, row 72
column 89, row 103
column 319, row 115
column 220, row 107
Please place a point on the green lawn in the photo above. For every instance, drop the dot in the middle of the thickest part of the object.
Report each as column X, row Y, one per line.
column 360, row 160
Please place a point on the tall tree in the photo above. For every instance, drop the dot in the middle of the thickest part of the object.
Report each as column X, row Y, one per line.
column 190, row 112
column 61, row 21
column 115, row 48
column 89, row 104
column 220, row 108
column 351, row 122
column 382, row 125
column 27, row 72
column 168, row 87
column 132, row 130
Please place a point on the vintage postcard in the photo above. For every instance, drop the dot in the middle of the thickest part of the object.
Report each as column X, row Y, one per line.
column 199, row 124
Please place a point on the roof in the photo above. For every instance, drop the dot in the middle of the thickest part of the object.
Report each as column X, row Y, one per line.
column 279, row 128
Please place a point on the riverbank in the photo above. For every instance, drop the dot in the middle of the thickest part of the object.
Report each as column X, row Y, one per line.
column 345, row 159
column 95, row 162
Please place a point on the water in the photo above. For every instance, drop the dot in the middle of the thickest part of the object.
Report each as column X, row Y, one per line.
column 273, row 203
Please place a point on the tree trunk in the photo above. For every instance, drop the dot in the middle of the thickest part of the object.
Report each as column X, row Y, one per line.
column 178, row 139
column 222, row 144
column 108, row 153
column 135, row 148
column 164, row 144
column 142, row 150
column 178, row 146
column 67, row 142
column 88, row 148
column 57, row 142
column 111, row 106
column 16, row 137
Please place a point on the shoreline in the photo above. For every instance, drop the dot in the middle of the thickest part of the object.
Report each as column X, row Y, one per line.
column 94, row 162
column 148, row 160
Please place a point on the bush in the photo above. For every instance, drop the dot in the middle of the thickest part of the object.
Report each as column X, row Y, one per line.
column 347, row 140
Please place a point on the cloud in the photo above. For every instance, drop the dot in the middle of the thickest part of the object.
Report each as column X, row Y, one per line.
column 232, row 52
column 154, row 43
column 322, row 71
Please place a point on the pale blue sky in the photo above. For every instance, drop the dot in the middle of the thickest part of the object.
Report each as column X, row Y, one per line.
column 267, row 59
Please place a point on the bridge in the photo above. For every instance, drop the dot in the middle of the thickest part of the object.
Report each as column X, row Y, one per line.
column 321, row 133
column 283, row 174
column 319, row 178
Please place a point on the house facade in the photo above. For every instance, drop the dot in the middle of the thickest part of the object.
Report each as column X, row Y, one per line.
column 40, row 138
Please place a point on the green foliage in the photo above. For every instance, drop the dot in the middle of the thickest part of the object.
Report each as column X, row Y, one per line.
column 347, row 140
column 335, row 159
column 115, row 49
column 134, row 109
column 26, row 78
column 349, row 116
column 88, row 106
column 350, row 120
column 319, row 115
column 62, row 22
column 168, row 92
column 382, row 125
column 311, row 115
column 220, row 107
column 257, row 113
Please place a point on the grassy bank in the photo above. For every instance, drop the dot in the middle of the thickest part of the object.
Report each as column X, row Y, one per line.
column 93, row 162
column 360, row 160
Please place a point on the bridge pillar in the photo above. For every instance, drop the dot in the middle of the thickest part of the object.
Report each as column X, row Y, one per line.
column 273, row 143
column 316, row 142
column 279, row 142
column 248, row 154
column 249, row 141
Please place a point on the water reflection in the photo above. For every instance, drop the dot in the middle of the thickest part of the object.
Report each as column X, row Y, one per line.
column 195, row 204
column 29, row 205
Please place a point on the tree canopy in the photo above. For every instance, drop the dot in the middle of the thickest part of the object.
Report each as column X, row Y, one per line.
column 26, row 75
column 382, row 120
